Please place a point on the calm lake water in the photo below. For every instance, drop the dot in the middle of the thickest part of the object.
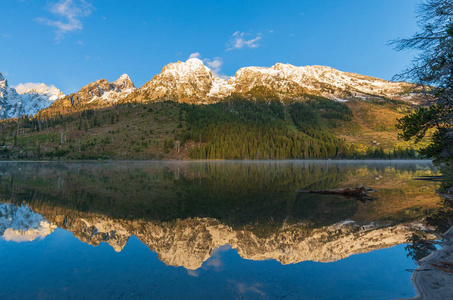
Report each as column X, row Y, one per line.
column 126, row 230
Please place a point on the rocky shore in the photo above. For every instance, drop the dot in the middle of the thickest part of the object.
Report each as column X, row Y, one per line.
column 433, row 279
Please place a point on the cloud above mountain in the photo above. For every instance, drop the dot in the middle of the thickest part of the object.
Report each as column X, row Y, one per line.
column 238, row 41
column 195, row 55
column 68, row 16
column 215, row 65
column 22, row 88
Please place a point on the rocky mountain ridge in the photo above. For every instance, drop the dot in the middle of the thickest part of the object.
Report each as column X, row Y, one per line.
column 96, row 94
column 194, row 83
column 288, row 80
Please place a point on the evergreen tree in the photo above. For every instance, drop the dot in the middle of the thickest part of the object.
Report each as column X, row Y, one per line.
column 433, row 70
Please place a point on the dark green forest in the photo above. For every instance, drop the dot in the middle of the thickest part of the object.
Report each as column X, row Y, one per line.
column 268, row 129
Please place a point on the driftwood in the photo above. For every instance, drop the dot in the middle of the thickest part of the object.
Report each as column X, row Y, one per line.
column 447, row 196
column 353, row 192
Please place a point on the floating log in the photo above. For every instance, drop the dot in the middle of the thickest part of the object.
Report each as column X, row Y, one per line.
column 430, row 178
column 355, row 192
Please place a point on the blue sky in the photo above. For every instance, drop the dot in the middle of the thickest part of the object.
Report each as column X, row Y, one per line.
column 70, row 43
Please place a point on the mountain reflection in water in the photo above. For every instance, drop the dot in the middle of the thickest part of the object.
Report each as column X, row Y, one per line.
column 185, row 210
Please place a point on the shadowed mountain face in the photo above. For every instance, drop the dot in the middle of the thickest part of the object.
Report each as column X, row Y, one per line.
column 183, row 211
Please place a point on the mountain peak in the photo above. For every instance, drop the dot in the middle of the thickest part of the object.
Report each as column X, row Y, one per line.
column 124, row 82
column 187, row 68
column 190, row 80
column 194, row 61
column 124, row 77
column 3, row 81
column 281, row 66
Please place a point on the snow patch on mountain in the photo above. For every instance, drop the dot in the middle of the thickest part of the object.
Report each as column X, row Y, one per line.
column 220, row 88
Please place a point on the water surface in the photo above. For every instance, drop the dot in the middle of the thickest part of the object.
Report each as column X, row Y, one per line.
column 121, row 230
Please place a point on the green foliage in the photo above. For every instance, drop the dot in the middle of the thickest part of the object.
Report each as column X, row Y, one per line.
column 260, row 127
column 416, row 125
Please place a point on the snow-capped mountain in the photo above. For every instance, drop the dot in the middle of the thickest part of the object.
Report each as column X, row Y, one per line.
column 288, row 80
column 26, row 99
column 189, row 81
column 193, row 82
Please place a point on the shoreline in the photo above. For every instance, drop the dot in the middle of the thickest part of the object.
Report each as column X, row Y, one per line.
column 429, row 280
column 220, row 160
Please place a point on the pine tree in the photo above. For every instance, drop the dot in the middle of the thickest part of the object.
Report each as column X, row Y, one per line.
column 433, row 70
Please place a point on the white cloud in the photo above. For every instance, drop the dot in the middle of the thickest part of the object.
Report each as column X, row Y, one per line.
column 22, row 88
column 195, row 55
column 70, row 13
column 237, row 41
column 29, row 235
column 193, row 273
column 215, row 65
column 248, row 289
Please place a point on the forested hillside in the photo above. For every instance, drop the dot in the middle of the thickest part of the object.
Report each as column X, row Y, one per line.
column 234, row 128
